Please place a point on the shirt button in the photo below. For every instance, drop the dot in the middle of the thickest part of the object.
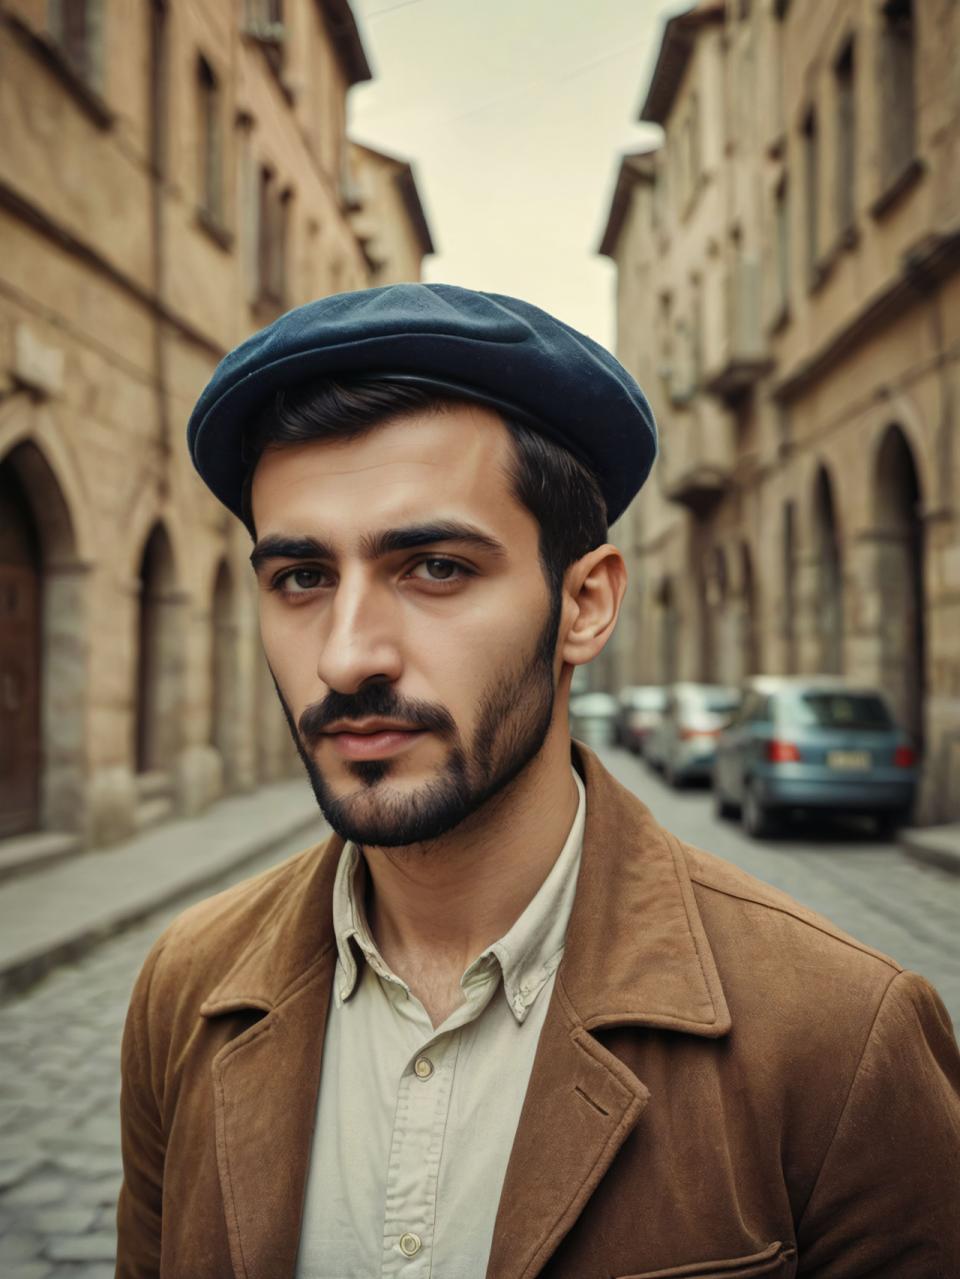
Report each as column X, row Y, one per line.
column 410, row 1244
column 423, row 1069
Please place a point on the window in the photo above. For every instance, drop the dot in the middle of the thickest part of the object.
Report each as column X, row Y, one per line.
column 76, row 29
column 846, row 154
column 811, row 172
column 861, row 711
column 263, row 20
column 273, row 215
column 209, row 143
column 898, row 88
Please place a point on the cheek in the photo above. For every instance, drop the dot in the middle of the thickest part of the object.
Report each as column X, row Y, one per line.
column 289, row 659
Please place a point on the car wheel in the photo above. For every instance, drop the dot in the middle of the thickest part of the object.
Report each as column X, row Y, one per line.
column 758, row 821
column 887, row 824
column 672, row 777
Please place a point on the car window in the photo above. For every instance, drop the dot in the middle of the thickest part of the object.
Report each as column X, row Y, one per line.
column 840, row 710
column 721, row 703
column 755, row 709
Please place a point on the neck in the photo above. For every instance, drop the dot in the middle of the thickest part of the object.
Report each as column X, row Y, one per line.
column 435, row 907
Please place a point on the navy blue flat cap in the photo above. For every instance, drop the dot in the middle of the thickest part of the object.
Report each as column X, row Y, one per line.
column 496, row 350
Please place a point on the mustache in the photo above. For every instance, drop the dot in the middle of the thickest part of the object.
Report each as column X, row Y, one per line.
column 380, row 700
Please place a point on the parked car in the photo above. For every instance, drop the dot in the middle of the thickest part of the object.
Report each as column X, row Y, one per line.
column 684, row 742
column 593, row 718
column 641, row 709
column 801, row 745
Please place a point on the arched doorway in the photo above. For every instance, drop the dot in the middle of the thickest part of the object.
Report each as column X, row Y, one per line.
column 44, row 686
column 668, row 631
column 225, row 719
column 20, row 648
column 829, row 577
column 748, row 614
column 789, row 598
column 159, row 665
column 900, row 580
column 721, row 644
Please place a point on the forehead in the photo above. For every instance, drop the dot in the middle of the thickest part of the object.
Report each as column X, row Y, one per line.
column 445, row 461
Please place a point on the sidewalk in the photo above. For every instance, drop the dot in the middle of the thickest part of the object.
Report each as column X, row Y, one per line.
column 54, row 914
column 935, row 845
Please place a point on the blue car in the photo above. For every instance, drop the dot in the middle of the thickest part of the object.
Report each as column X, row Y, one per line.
column 802, row 745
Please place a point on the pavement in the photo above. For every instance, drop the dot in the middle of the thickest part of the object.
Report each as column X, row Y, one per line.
column 935, row 845
column 58, row 912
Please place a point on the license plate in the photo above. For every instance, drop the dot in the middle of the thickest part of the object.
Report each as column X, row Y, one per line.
column 849, row 759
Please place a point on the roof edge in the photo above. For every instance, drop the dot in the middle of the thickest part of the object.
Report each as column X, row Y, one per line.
column 676, row 46
column 635, row 166
column 346, row 39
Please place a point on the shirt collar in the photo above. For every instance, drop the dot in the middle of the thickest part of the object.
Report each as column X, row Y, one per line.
column 528, row 953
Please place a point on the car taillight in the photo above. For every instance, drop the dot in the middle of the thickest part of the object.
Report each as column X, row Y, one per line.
column 782, row 753
column 904, row 757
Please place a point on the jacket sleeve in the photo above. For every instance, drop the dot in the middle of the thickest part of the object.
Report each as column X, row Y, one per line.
column 141, row 1137
column 887, row 1198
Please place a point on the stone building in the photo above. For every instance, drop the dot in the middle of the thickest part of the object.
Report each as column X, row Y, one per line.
column 173, row 175
column 388, row 218
column 789, row 294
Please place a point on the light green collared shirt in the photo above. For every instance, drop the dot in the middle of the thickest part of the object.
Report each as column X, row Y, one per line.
column 414, row 1124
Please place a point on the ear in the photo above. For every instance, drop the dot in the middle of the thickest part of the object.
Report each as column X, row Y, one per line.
column 593, row 591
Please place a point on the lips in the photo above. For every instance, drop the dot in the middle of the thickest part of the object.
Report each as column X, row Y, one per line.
column 372, row 740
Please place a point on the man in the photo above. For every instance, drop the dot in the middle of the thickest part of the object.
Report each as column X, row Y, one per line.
column 501, row 1023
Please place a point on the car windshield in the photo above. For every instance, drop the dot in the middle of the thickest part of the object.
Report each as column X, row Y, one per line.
column 717, row 703
column 841, row 710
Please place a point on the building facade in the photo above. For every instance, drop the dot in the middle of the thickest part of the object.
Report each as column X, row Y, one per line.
column 789, row 294
column 173, row 176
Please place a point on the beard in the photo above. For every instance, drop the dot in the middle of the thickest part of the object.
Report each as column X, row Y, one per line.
column 514, row 716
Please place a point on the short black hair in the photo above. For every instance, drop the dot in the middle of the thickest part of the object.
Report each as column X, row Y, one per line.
column 561, row 494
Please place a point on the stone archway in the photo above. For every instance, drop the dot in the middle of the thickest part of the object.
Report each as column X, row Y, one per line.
column 722, row 650
column 226, row 722
column 668, row 631
column 747, row 625
column 899, row 581
column 828, row 562
column 43, row 663
column 21, row 582
column 159, row 670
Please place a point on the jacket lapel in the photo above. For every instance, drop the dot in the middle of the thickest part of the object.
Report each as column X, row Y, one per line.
column 636, row 953
column 581, row 1104
column 265, row 1081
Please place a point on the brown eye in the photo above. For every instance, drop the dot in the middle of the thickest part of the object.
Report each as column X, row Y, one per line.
column 441, row 570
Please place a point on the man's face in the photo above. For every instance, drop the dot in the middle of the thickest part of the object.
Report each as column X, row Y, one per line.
column 406, row 619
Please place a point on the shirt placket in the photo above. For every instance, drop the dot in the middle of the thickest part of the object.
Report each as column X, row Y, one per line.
column 416, row 1149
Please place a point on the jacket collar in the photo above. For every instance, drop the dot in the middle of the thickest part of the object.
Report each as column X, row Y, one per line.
column 636, row 951
column 635, row 954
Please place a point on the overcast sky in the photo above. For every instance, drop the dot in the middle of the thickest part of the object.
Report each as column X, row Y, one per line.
column 514, row 114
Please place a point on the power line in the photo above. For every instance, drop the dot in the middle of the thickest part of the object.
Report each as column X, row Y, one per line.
column 401, row 4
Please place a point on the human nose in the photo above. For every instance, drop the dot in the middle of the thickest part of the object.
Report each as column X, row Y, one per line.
column 361, row 639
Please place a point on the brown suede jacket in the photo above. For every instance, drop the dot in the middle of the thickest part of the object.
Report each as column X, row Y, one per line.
column 725, row 1085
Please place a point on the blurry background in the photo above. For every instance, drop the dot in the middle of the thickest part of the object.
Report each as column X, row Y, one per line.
column 755, row 203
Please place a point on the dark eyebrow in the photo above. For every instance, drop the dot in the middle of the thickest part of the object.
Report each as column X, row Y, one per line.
column 375, row 545
column 411, row 536
column 278, row 547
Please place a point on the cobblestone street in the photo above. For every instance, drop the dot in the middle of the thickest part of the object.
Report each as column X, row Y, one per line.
column 59, row 1106
column 59, row 1157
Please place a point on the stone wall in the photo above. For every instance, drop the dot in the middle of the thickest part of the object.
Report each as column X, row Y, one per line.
column 119, row 291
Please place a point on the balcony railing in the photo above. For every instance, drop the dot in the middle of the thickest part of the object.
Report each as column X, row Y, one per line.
column 698, row 456
column 739, row 357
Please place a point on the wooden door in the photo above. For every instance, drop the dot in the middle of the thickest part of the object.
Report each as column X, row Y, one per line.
column 19, row 662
